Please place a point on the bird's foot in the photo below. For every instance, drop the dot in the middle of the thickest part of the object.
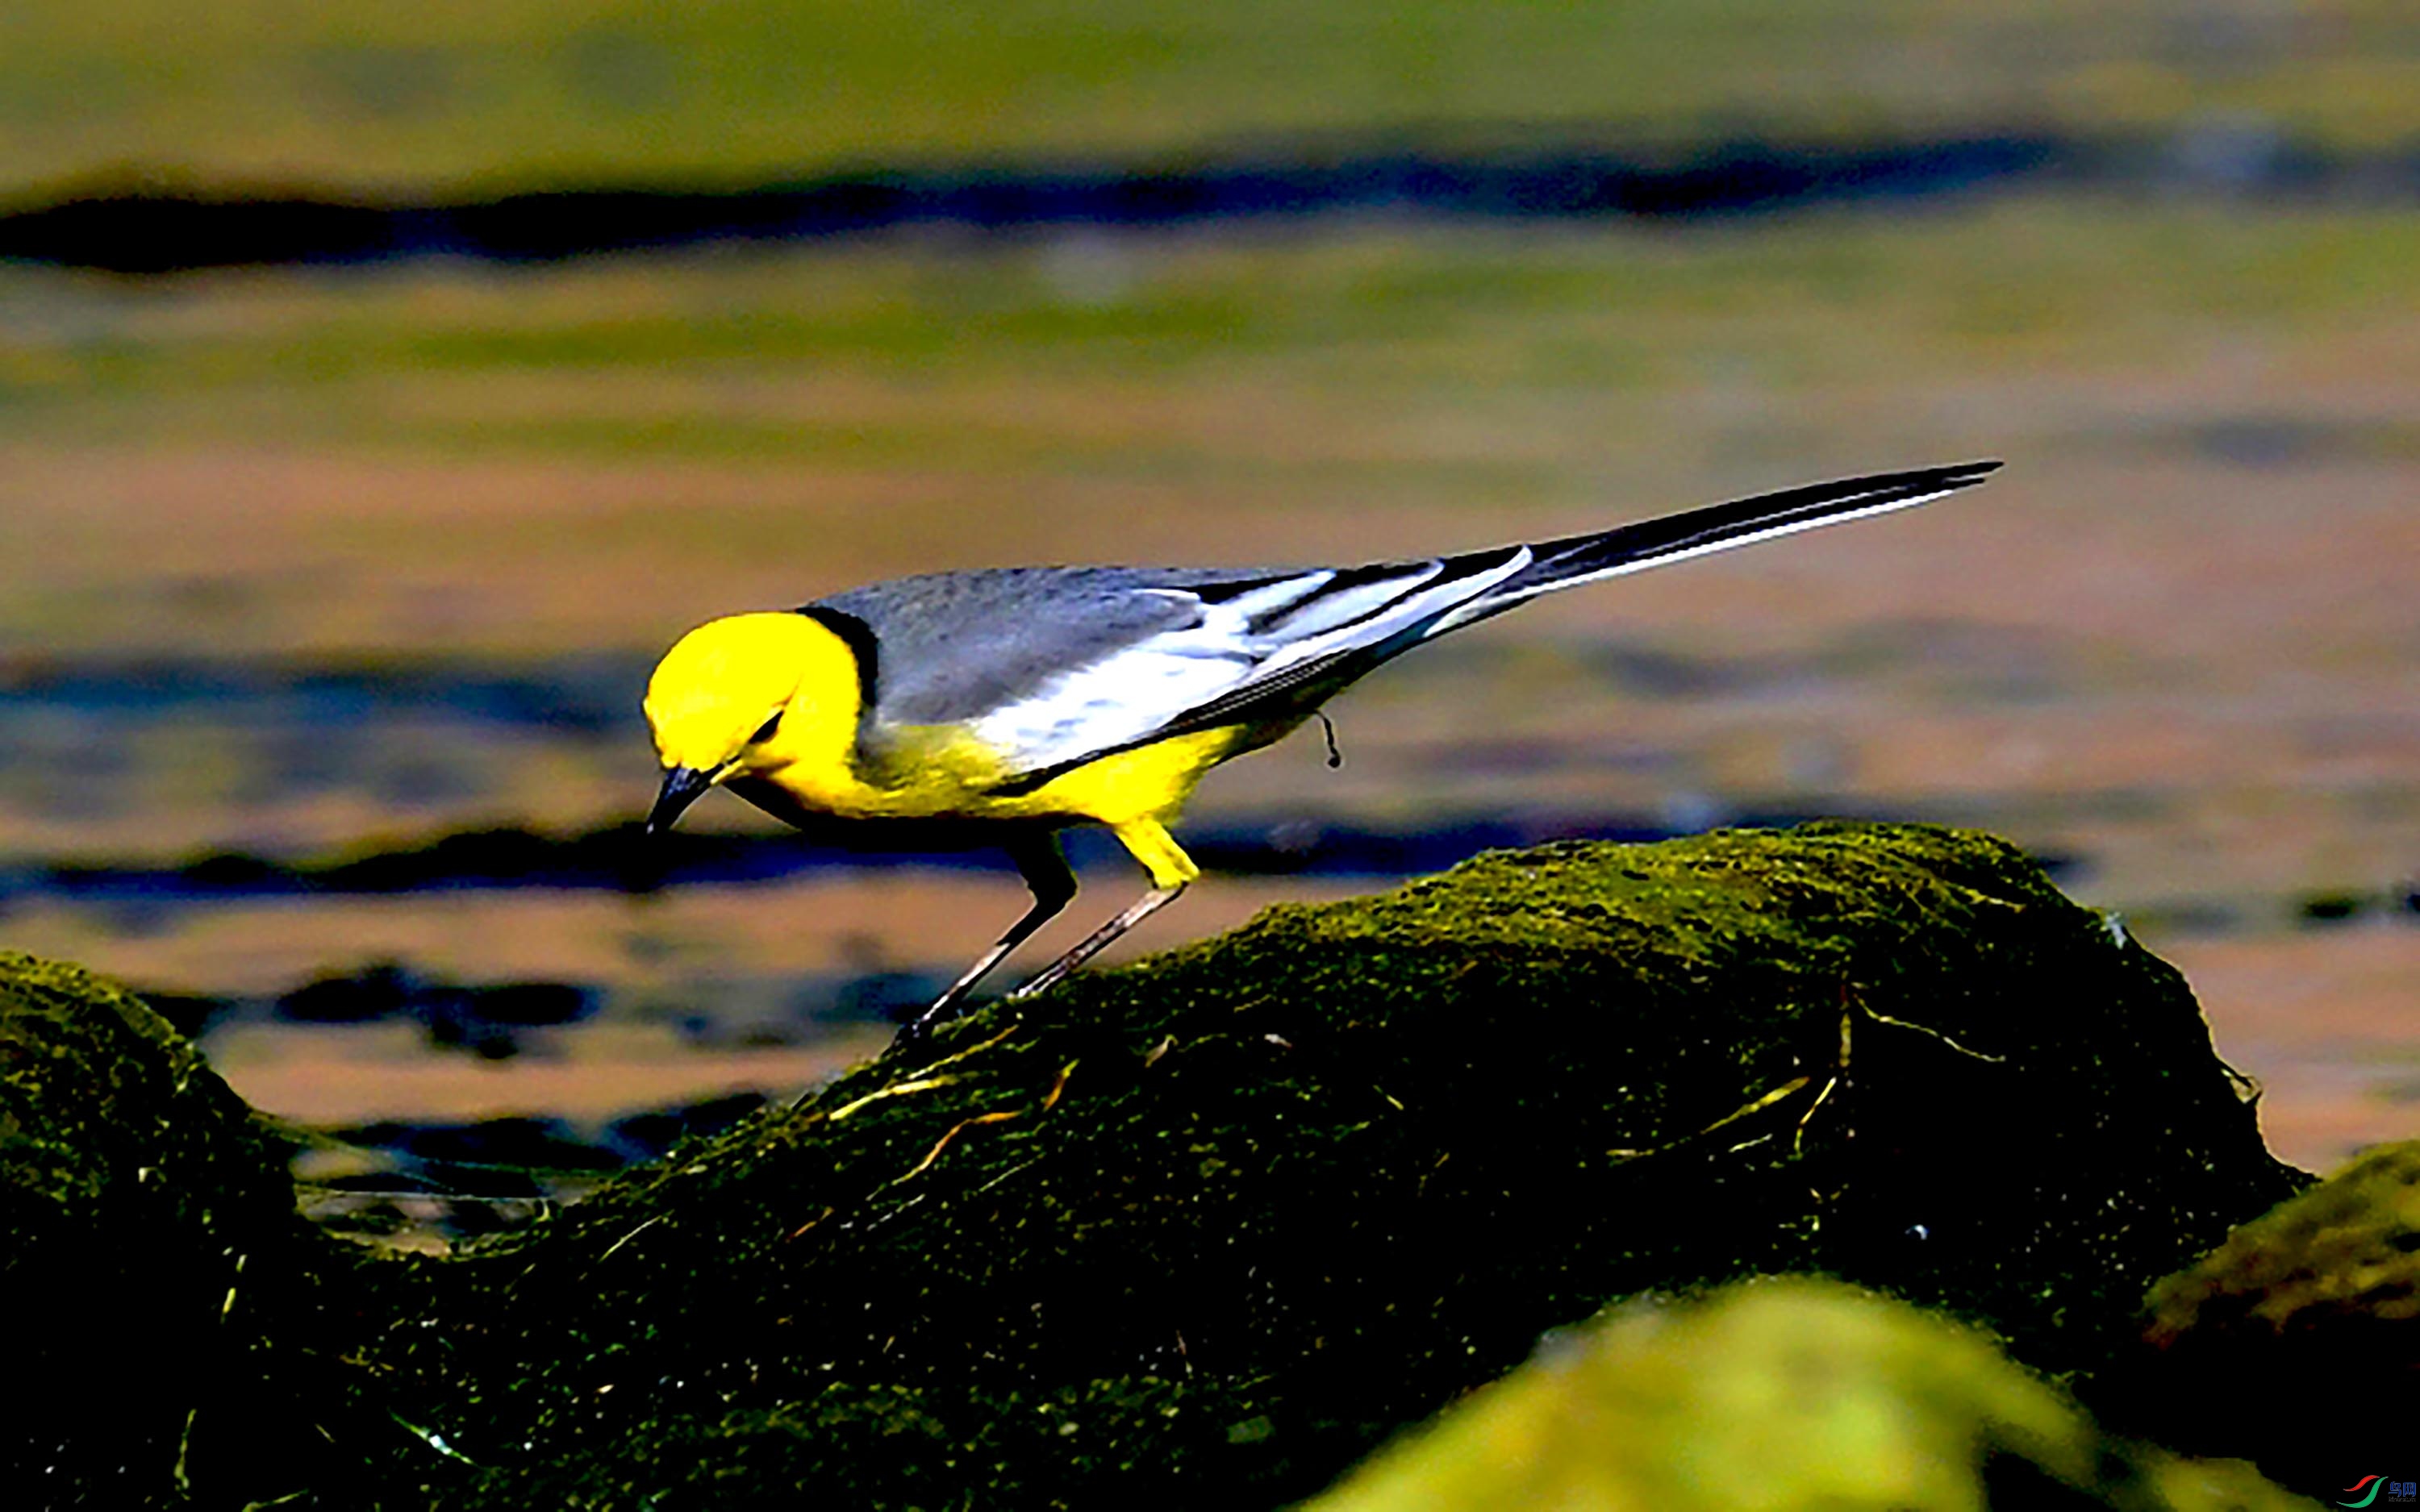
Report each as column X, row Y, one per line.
column 1040, row 984
column 911, row 1035
column 947, row 1007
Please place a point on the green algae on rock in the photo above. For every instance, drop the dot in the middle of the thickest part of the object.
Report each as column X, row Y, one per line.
column 2296, row 1343
column 1250, row 1207
column 1793, row 1392
column 2347, row 1253
column 140, row 1204
column 1204, row 1231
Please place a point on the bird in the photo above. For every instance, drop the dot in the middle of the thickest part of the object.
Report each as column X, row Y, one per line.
column 1010, row 704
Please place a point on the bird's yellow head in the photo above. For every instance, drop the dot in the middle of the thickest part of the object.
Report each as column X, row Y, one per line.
column 743, row 695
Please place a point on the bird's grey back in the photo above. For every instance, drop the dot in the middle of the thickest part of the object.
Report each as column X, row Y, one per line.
column 953, row 645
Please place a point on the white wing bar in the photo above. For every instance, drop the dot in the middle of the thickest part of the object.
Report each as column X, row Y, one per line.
column 1122, row 699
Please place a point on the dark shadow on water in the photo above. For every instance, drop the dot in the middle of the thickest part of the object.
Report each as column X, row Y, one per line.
column 622, row 860
column 458, row 1181
column 128, row 229
column 586, row 695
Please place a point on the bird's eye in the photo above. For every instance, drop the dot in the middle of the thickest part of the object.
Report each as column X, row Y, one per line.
column 765, row 731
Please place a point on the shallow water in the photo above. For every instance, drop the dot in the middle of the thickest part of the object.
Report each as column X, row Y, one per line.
column 451, row 978
column 327, row 604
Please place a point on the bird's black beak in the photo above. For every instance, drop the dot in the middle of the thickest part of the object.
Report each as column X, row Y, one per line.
column 683, row 786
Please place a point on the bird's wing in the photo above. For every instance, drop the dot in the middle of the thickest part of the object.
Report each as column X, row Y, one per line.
column 1052, row 668
column 1055, row 667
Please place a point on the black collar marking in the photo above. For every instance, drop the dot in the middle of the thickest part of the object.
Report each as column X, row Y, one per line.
column 863, row 649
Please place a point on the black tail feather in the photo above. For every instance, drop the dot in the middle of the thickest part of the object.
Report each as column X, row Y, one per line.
column 1578, row 558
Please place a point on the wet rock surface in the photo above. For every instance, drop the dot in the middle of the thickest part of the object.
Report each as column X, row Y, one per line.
column 143, row 1212
column 1208, row 1229
column 1783, row 1393
column 2297, row 1342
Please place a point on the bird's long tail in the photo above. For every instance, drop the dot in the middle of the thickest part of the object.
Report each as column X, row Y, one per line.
column 1584, row 559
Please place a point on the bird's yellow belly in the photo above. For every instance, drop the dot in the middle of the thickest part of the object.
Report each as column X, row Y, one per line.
column 955, row 777
column 1140, row 783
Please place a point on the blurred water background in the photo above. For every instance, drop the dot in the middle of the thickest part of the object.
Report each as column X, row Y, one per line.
column 380, row 392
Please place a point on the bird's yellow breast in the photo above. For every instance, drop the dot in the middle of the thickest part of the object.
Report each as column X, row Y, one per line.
column 936, row 773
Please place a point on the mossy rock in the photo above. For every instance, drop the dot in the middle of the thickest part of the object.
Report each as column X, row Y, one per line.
column 1781, row 1395
column 144, row 1212
column 1238, row 1213
column 2297, row 1342
column 1205, row 1230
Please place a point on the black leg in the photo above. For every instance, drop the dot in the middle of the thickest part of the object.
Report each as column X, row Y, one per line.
column 1142, row 909
column 1172, row 871
column 1045, row 869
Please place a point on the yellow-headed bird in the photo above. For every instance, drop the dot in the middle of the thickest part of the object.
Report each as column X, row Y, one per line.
column 1027, row 698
